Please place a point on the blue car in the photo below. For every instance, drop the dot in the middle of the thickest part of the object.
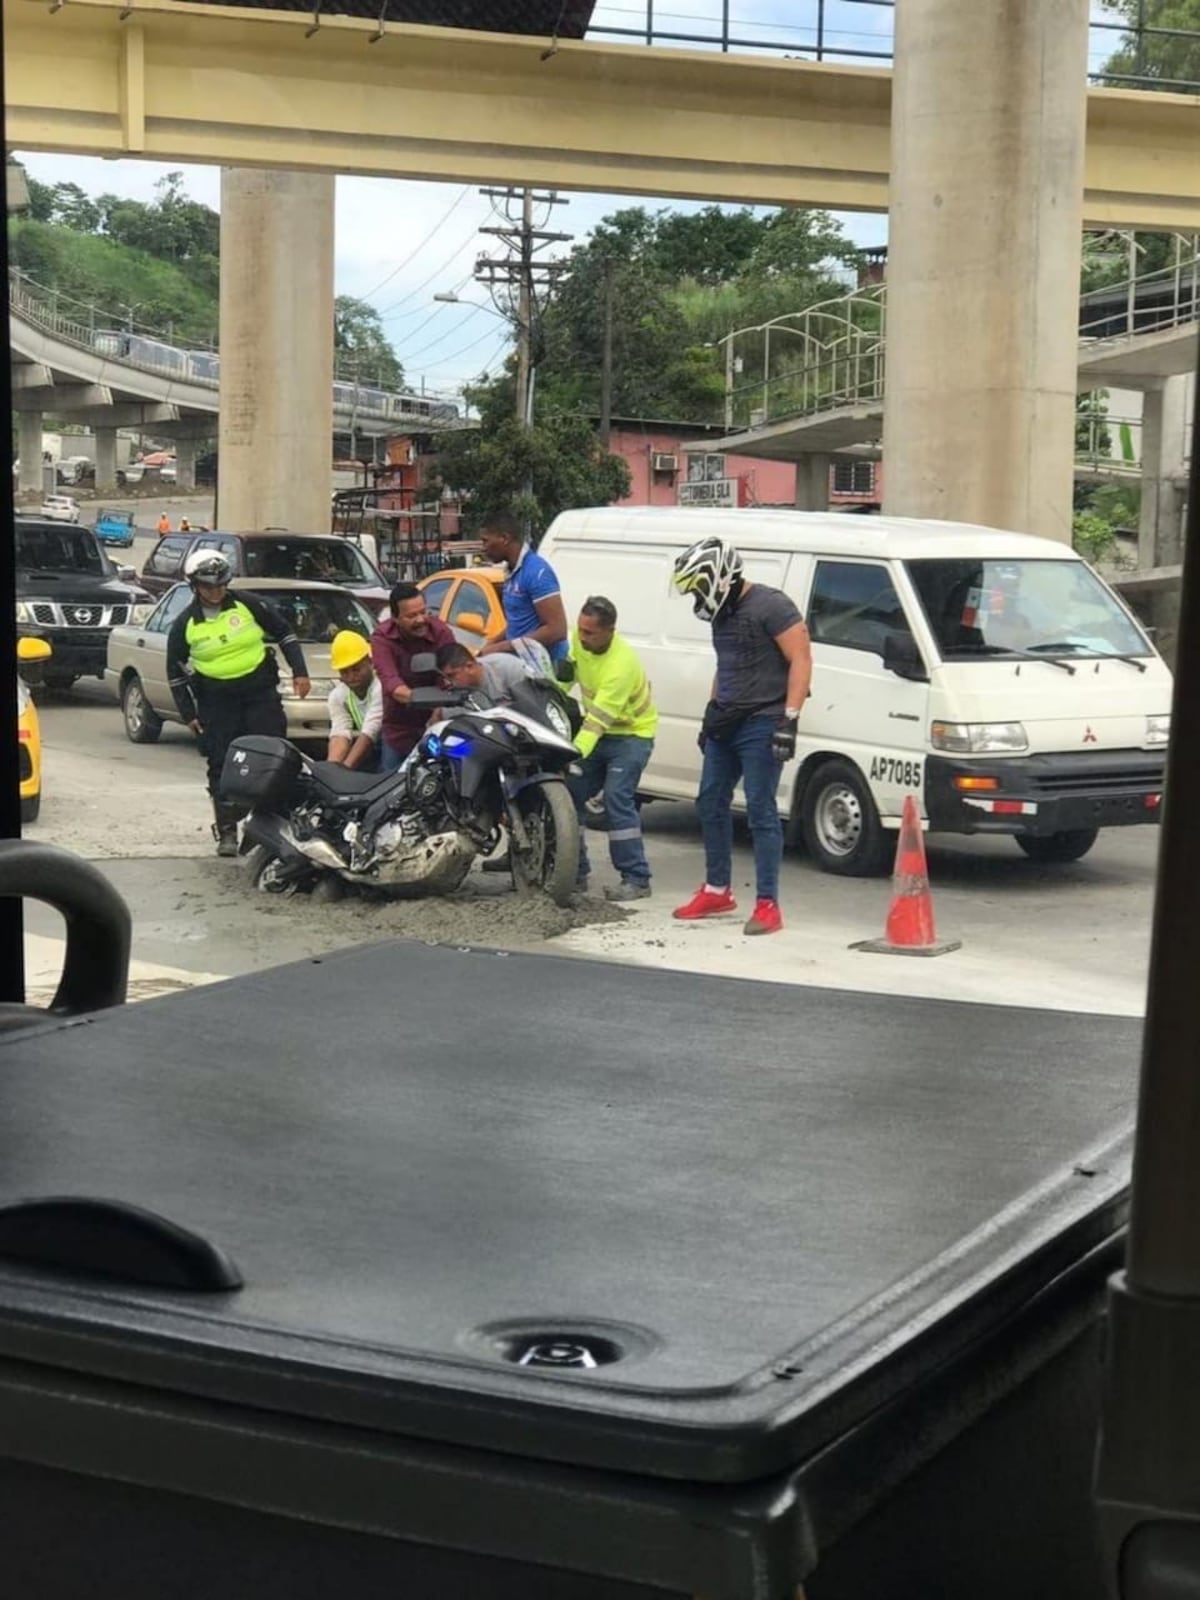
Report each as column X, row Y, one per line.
column 115, row 527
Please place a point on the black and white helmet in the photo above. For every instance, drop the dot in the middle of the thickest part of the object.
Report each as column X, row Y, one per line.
column 707, row 572
column 207, row 566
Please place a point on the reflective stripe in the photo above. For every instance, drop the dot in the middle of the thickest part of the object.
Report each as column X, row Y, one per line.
column 356, row 708
column 616, row 834
column 604, row 719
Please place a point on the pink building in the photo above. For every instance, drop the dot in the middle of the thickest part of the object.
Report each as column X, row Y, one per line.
column 663, row 475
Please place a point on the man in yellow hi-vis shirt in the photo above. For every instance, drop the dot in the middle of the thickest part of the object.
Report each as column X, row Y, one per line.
column 619, row 724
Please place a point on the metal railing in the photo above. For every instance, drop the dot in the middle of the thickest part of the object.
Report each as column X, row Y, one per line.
column 1148, row 302
column 1131, row 50
column 832, row 357
column 836, row 354
column 149, row 352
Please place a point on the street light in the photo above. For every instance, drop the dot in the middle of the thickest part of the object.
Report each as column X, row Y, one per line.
column 452, row 299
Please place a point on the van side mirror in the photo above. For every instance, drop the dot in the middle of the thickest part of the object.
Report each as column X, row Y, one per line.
column 901, row 656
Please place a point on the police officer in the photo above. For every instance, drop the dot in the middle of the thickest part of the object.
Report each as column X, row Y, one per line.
column 232, row 687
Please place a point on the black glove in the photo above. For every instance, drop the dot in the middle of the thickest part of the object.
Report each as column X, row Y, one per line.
column 783, row 740
column 564, row 670
column 705, row 733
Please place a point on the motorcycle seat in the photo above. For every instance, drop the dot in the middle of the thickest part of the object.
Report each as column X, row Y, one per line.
column 345, row 784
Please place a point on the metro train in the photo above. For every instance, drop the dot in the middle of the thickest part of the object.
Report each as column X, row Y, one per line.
column 204, row 366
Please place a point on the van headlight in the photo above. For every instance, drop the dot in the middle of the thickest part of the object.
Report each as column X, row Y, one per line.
column 978, row 738
column 1158, row 729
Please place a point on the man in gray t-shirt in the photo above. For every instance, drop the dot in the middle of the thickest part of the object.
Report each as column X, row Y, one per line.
column 494, row 679
column 764, row 666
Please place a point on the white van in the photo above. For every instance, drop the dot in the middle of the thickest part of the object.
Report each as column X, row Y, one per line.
column 991, row 674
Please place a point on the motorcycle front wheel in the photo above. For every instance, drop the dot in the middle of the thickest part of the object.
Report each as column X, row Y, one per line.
column 551, row 863
column 268, row 874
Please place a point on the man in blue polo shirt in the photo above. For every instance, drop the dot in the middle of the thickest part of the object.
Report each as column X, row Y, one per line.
column 532, row 600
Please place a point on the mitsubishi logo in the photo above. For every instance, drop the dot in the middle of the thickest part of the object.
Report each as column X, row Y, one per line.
column 1088, row 736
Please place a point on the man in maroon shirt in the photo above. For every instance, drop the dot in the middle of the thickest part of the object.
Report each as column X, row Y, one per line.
column 409, row 631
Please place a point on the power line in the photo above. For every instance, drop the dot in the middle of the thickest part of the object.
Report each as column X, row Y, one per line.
column 412, row 255
column 445, row 267
column 433, row 344
column 454, row 355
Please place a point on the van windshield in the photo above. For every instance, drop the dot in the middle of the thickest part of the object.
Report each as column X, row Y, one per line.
column 980, row 608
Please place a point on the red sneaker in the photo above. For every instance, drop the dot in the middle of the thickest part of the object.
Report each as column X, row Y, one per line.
column 706, row 903
column 765, row 918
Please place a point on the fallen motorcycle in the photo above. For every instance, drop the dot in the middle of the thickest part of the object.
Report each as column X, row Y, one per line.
column 313, row 825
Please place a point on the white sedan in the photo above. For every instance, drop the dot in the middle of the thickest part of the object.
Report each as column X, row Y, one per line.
column 137, row 656
column 60, row 508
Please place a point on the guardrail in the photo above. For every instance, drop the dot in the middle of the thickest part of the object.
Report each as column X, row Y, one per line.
column 39, row 307
column 835, row 353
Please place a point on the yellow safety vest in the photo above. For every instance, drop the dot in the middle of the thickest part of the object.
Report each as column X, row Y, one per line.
column 229, row 645
column 615, row 693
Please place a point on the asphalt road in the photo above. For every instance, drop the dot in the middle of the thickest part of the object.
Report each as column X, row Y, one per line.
column 1073, row 937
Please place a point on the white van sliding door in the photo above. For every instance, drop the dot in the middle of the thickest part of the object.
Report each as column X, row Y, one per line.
column 858, row 707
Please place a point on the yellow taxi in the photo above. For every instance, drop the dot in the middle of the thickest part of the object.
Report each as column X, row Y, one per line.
column 468, row 601
column 31, row 653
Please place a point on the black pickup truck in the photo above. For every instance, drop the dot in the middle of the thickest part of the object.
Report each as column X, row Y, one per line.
column 70, row 594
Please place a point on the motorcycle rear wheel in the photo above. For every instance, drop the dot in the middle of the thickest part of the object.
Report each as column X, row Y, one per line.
column 552, row 862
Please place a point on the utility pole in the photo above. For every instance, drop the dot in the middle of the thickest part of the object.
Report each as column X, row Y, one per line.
column 522, row 275
column 606, row 366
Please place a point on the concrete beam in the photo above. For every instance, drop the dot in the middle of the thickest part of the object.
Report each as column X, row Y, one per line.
column 31, row 375
column 62, row 397
column 1143, row 362
column 128, row 416
column 169, row 81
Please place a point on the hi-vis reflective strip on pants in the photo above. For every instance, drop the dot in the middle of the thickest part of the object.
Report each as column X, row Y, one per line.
column 615, row 835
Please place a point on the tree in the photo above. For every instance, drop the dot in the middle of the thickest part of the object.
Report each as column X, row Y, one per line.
column 1151, row 53
column 535, row 472
column 679, row 283
column 710, row 246
column 362, row 350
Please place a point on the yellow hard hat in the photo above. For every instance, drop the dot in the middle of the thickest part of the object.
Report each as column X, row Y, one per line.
column 347, row 650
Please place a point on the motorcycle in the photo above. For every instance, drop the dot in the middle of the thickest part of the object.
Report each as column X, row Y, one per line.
column 313, row 825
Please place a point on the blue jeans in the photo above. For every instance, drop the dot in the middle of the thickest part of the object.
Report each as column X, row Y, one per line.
column 616, row 766
column 391, row 760
column 747, row 755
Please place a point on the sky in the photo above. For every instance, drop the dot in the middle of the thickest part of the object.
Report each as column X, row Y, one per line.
column 399, row 243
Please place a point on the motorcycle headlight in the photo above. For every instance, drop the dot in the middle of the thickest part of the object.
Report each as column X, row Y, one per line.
column 1158, row 729
column 978, row 738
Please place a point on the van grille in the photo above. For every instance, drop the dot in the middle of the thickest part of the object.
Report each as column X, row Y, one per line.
column 1133, row 778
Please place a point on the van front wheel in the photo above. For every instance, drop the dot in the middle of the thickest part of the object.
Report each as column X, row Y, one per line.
column 841, row 825
column 1070, row 845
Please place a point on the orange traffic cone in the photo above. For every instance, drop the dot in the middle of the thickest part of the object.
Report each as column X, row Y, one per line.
column 910, row 930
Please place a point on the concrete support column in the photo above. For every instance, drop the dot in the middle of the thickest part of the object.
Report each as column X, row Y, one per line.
column 106, row 460
column 276, row 422
column 1165, row 414
column 29, row 451
column 988, row 121
column 185, row 464
column 812, row 482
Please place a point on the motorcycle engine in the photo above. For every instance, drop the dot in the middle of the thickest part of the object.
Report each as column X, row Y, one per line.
column 424, row 786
